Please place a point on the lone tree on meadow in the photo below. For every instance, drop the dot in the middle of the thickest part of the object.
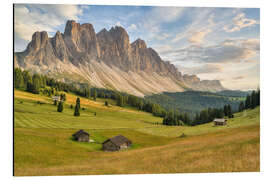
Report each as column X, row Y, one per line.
column 60, row 106
column 95, row 95
column 77, row 108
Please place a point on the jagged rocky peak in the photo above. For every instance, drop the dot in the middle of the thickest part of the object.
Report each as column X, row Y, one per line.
column 81, row 38
column 58, row 37
column 133, row 68
column 104, row 30
column 59, row 46
column 39, row 40
column 119, row 34
column 139, row 43
column 71, row 28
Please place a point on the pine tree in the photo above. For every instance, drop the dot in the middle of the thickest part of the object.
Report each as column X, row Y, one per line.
column 241, row 107
column 36, row 84
column 253, row 100
column 60, row 106
column 27, row 78
column 258, row 97
column 120, row 100
column 77, row 108
column 18, row 78
column 225, row 110
column 248, row 102
column 78, row 102
column 95, row 94
column 230, row 114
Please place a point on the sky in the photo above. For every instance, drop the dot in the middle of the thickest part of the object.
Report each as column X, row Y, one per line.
column 213, row 43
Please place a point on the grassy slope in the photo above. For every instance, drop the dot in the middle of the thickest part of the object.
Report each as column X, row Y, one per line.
column 156, row 149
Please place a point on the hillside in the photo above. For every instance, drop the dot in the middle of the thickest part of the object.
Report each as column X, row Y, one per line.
column 52, row 151
column 195, row 101
column 106, row 59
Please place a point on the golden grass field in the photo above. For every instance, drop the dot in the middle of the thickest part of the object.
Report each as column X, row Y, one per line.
column 43, row 144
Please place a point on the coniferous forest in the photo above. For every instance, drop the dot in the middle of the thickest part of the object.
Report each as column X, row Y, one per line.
column 192, row 107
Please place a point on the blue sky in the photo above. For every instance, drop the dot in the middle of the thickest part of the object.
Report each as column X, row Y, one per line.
column 213, row 43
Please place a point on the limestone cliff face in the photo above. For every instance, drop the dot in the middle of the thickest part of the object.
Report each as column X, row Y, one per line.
column 106, row 59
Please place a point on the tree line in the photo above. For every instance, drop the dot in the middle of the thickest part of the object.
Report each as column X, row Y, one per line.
column 174, row 118
column 37, row 83
column 252, row 101
column 42, row 84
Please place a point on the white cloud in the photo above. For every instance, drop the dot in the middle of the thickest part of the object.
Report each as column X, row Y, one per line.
column 132, row 27
column 230, row 50
column 202, row 24
column 202, row 69
column 39, row 17
column 157, row 16
column 239, row 22
column 198, row 36
column 118, row 23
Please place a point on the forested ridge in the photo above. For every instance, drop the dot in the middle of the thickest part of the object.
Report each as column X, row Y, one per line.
column 185, row 108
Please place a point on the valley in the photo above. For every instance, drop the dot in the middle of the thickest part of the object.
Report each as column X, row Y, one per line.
column 156, row 148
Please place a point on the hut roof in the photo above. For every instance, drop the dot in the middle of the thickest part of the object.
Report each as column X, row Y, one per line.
column 78, row 133
column 220, row 120
column 118, row 140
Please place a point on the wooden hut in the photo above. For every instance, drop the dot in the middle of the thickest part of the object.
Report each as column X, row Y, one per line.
column 56, row 98
column 220, row 122
column 81, row 136
column 116, row 143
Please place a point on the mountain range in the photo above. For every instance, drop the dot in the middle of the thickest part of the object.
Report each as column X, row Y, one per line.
column 106, row 59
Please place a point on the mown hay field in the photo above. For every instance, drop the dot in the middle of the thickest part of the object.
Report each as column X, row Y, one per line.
column 43, row 145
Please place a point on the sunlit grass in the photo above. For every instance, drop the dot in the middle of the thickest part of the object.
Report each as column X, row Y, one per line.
column 43, row 143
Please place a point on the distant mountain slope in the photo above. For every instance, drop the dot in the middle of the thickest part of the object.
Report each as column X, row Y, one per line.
column 194, row 101
column 234, row 93
column 106, row 60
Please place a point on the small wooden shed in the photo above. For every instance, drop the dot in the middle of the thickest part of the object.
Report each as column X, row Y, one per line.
column 56, row 98
column 116, row 143
column 220, row 122
column 81, row 136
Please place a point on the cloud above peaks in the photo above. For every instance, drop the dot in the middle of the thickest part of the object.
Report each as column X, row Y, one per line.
column 198, row 37
column 230, row 50
column 39, row 17
column 239, row 22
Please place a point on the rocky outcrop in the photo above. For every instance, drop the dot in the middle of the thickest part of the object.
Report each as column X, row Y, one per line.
column 106, row 59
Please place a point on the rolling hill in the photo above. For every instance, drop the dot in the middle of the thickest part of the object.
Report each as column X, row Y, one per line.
column 156, row 148
column 196, row 101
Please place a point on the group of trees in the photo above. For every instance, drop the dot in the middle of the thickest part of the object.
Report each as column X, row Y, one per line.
column 252, row 101
column 208, row 115
column 31, row 83
column 174, row 118
column 194, row 101
column 48, row 86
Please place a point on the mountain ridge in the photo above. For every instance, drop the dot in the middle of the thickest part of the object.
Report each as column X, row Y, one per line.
column 106, row 59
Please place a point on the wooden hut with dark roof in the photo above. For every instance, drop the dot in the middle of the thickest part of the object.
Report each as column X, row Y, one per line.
column 220, row 122
column 116, row 143
column 81, row 136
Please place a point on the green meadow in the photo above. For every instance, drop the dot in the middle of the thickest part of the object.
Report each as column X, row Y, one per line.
column 43, row 144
